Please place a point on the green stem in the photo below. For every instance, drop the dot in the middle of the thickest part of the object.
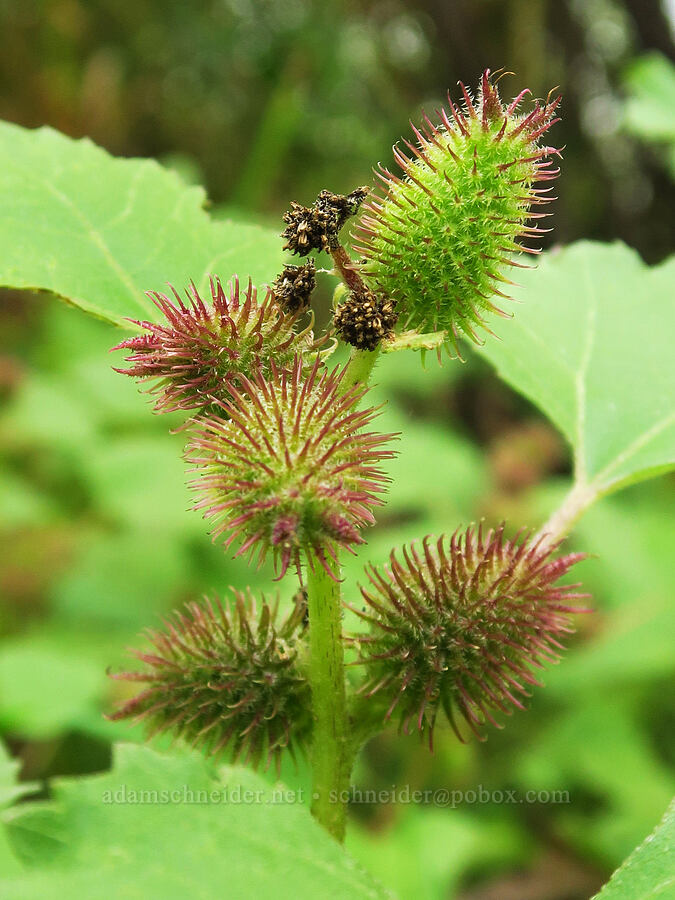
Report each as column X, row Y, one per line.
column 333, row 745
column 561, row 522
column 331, row 749
column 358, row 368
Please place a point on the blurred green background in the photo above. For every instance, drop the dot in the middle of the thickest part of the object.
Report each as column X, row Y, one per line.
column 267, row 102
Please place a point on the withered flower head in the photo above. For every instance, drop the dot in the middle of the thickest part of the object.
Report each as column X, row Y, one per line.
column 365, row 319
column 204, row 346
column 458, row 624
column 439, row 236
column 317, row 227
column 225, row 677
column 291, row 467
column 293, row 287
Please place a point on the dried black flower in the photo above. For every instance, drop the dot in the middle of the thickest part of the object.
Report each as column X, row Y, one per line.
column 293, row 287
column 365, row 319
column 316, row 227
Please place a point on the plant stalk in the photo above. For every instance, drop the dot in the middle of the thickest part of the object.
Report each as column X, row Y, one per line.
column 345, row 268
column 561, row 522
column 331, row 750
column 361, row 362
column 358, row 368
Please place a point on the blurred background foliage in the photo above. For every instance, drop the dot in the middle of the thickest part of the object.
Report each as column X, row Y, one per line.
column 265, row 102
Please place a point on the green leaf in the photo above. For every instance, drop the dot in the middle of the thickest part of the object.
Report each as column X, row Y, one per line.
column 122, row 579
column 416, row 488
column 411, row 854
column 141, row 480
column 632, row 581
column 591, row 345
column 586, row 751
column 648, row 873
column 21, row 504
column 123, row 834
column 9, row 864
column 100, row 231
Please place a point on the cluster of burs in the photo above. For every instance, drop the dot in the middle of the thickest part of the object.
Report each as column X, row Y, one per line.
column 285, row 463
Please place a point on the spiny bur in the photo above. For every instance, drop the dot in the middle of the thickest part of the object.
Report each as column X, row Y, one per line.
column 290, row 466
column 203, row 346
column 458, row 624
column 437, row 238
column 226, row 677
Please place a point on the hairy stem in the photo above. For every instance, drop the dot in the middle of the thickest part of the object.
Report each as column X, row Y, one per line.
column 345, row 268
column 333, row 746
column 561, row 522
column 361, row 362
column 358, row 368
column 331, row 751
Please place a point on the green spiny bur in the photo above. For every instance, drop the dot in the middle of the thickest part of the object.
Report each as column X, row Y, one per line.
column 438, row 238
column 226, row 676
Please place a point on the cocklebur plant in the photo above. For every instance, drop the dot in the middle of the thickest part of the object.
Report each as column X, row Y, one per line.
column 290, row 468
column 284, row 461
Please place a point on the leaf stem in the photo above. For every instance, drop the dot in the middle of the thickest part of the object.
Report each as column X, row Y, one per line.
column 561, row 522
column 331, row 749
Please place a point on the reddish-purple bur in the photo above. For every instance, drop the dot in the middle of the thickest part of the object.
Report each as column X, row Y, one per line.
column 289, row 466
column 460, row 624
column 225, row 677
column 203, row 346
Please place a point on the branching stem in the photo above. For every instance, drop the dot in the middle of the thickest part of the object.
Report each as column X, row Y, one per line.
column 345, row 268
column 333, row 745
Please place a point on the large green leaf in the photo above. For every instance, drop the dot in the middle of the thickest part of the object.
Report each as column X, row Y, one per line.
column 100, row 231
column 649, row 872
column 592, row 345
column 125, row 834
